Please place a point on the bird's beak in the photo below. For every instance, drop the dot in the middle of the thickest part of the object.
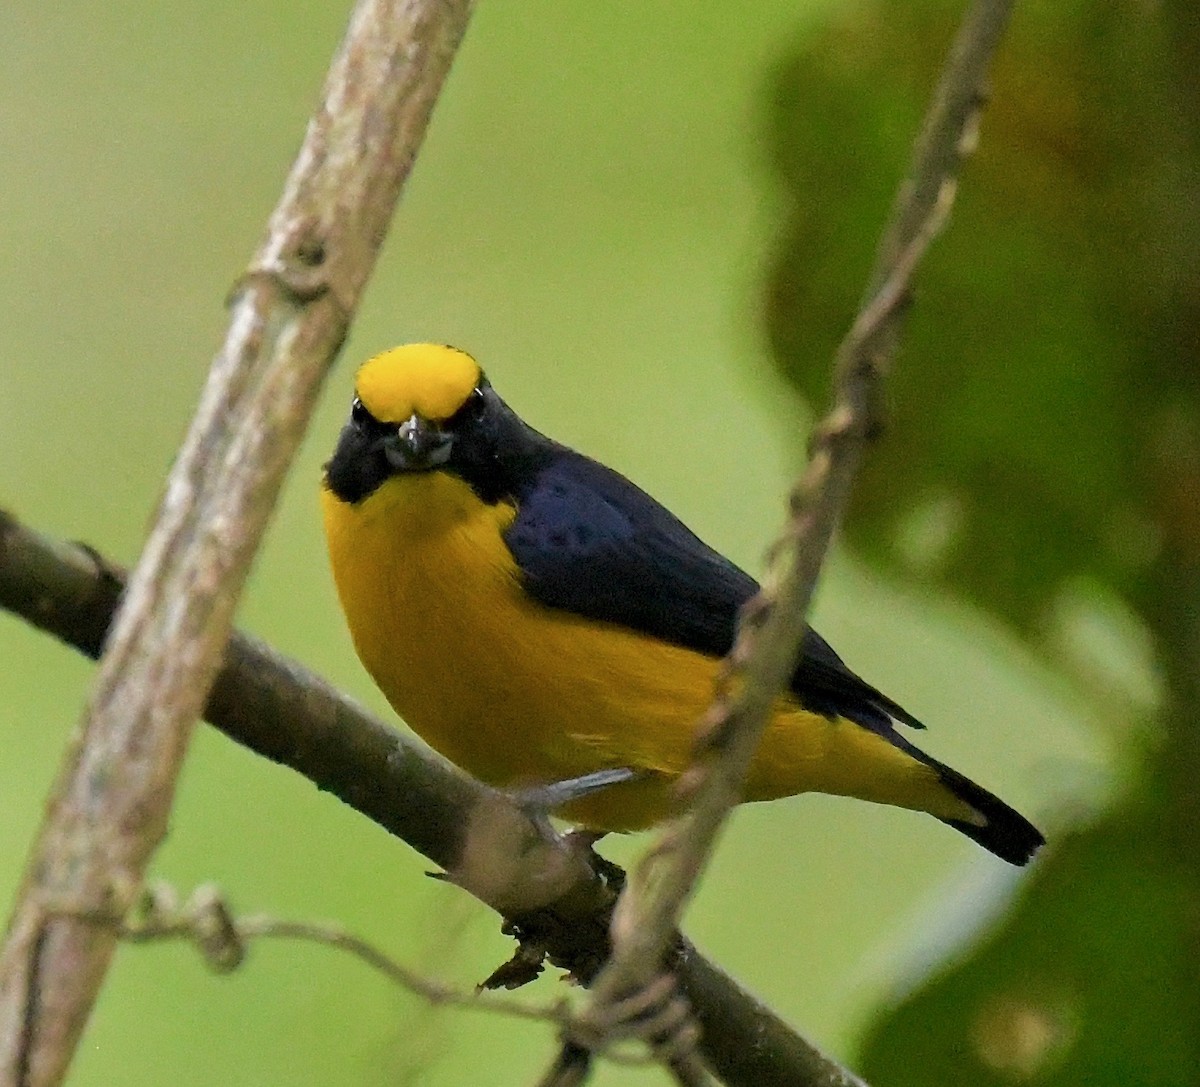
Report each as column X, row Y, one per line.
column 417, row 445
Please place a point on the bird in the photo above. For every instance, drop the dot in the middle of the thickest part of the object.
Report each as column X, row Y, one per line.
column 545, row 624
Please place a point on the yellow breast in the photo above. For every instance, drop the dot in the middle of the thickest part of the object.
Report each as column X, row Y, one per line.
column 520, row 694
column 514, row 692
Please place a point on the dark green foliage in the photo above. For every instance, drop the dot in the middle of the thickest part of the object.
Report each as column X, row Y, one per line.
column 1049, row 366
column 1085, row 983
column 1045, row 432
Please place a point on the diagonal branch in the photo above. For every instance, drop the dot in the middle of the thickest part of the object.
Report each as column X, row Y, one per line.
column 763, row 658
column 279, row 710
column 289, row 314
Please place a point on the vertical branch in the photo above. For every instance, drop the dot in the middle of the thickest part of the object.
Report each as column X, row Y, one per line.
column 109, row 807
column 773, row 625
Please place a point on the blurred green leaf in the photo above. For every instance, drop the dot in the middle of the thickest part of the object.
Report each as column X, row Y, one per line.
column 1081, row 985
column 1043, row 460
column 1049, row 380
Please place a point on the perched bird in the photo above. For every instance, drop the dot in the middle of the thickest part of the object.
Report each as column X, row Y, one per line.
column 538, row 618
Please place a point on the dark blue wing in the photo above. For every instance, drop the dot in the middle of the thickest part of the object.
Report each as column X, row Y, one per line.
column 590, row 542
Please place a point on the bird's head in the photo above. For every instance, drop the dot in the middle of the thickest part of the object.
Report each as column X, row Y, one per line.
column 423, row 408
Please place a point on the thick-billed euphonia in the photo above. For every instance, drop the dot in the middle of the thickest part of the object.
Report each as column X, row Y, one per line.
column 537, row 618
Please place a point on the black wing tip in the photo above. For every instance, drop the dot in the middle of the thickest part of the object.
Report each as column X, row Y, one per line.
column 1012, row 838
column 1005, row 832
column 899, row 713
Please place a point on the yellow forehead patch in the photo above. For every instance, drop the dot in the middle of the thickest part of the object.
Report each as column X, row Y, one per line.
column 429, row 379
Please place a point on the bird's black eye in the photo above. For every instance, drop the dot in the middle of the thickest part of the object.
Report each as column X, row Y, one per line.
column 471, row 409
column 359, row 414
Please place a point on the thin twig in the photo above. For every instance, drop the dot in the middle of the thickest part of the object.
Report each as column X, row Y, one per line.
column 289, row 315
column 764, row 655
column 279, row 710
column 224, row 938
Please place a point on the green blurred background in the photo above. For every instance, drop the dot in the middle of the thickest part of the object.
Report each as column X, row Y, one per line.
column 651, row 222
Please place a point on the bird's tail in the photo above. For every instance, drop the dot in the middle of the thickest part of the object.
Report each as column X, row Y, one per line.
column 1004, row 831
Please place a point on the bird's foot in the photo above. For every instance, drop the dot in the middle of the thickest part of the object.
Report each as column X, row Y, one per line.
column 540, row 802
column 537, row 932
column 551, row 797
column 583, row 841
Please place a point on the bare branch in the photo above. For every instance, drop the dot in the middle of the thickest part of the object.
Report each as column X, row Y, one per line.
column 764, row 655
column 277, row 709
column 753, row 1045
column 288, row 317
column 223, row 940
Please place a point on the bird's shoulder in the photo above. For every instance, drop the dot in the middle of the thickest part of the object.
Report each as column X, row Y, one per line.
column 589, row 541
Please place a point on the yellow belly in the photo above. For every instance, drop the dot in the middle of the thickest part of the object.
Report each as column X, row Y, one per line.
column 519, row 694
